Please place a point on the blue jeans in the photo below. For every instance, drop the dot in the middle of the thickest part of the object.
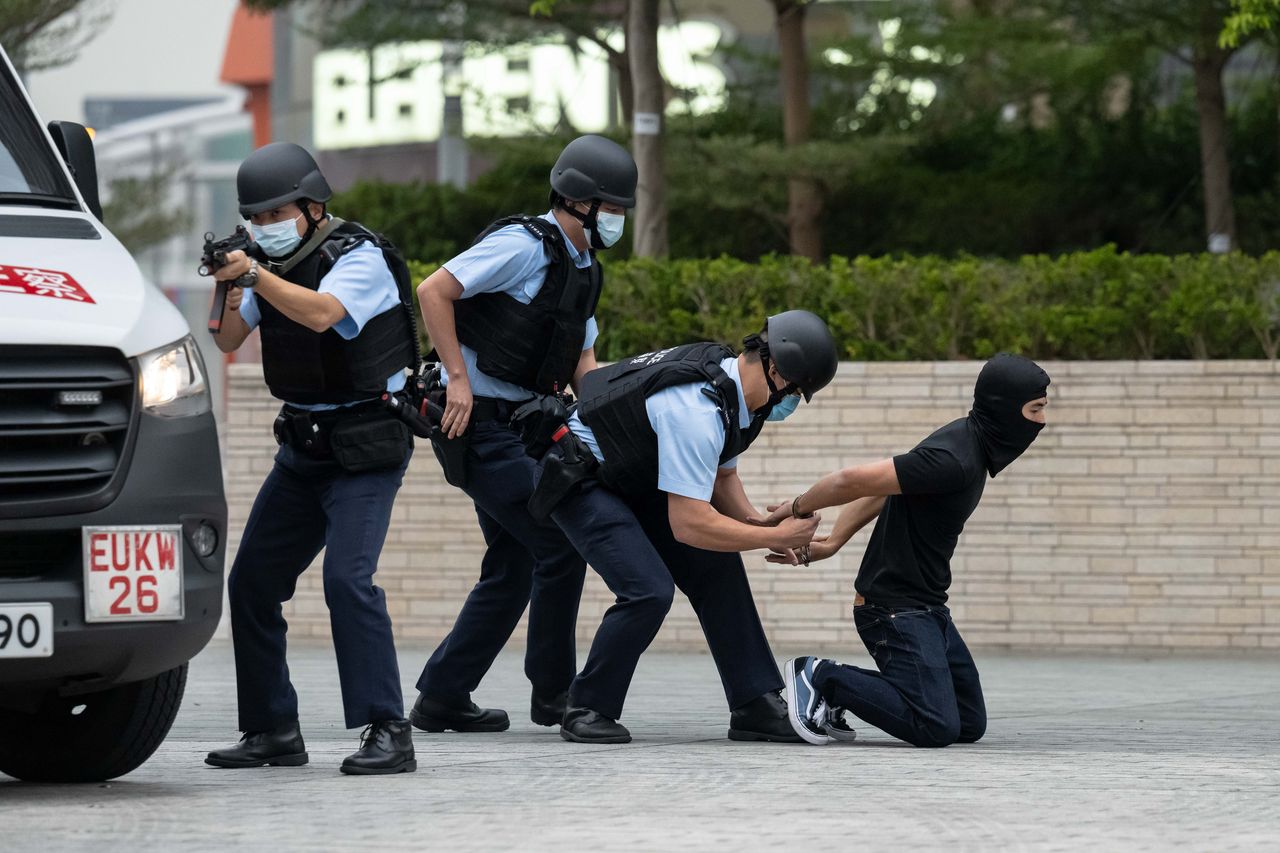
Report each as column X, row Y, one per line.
column 307, row 504
column 526, row 563
column 927, row 690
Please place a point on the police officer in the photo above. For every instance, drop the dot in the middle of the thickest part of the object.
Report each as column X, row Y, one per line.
column 667, row 509
column 332, row 302
column 511, row 317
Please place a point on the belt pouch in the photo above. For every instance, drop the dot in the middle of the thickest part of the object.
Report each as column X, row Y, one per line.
column 373, row 443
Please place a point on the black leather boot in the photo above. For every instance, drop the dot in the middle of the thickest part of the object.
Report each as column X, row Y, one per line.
column 281, row 746
column 432, row 716
column 548, row 711
column 763, row 718
column 385, row 747
column 583, row 725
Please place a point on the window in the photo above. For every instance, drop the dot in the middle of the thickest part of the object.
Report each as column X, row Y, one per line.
column 28, row 164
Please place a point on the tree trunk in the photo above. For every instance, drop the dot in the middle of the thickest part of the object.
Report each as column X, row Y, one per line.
column 647, row 133
column 626, row 92
column 1207, row 62
column 804, row 195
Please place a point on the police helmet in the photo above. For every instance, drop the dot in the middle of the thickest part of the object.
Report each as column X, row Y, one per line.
column 277, row 174
column 592, row 167
column 801, row 346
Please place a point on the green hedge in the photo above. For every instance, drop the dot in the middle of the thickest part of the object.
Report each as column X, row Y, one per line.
column 1102, row 304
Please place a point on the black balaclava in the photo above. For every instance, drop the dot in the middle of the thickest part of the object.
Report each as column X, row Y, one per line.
column 1006, row 384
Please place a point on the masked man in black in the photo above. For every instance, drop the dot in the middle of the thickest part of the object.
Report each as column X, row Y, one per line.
column 926, row 691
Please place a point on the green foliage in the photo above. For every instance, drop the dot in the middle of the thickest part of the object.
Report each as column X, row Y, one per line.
column 1247, row 18
column 1102, row 304
column 136, row 209
column 39, row 34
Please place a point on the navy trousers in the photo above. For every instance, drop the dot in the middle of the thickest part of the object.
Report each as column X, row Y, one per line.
column 630, row 544
column 527, row 563
column 307, row 504
column 927, row 690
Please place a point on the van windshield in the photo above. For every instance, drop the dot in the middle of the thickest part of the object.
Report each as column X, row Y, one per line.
column 30, row 172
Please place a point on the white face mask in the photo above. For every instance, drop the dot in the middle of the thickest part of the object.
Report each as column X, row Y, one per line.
column 277, row 239
column 609, row 226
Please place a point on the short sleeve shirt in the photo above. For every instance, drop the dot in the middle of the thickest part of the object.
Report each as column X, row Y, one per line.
column 511, row 261
column 363, row 283
column 908, row 560
column 690, row 433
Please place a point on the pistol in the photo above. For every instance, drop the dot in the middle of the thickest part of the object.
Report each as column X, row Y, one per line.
column 215, row 257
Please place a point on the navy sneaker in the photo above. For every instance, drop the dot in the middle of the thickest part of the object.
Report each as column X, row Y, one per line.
column 803, row 700
column 834, row 724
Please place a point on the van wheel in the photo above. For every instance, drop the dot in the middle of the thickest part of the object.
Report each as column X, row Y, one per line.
column 92, row 737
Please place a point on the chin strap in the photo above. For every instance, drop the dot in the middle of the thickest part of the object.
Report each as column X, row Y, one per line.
column 589, row 222
column 776, row 394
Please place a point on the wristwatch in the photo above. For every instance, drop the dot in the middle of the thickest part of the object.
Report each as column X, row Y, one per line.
column 250, row 278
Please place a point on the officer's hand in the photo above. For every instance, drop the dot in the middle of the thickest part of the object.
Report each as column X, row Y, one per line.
column 777, row 514
column 457, row 408
column 783, row 556
column 237, row 265
column 819, row 549
column 235, row 295
column 795, row 532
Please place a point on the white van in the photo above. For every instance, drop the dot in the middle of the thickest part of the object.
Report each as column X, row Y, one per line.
column 112, row 513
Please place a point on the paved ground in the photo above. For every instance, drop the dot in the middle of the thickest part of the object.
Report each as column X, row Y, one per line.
column 1098, row 753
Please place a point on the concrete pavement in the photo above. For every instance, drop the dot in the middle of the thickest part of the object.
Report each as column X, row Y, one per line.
column 1104, row 753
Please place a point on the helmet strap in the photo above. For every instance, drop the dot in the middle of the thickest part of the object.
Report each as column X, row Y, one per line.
column 588, row 220
column 776, row 394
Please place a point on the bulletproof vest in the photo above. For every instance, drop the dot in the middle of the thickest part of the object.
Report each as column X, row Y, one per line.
column 612, row 404
column 304, row 366
column 538, row 345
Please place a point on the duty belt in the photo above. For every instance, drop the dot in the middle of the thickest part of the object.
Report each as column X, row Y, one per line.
column 308, row 430
column 493, row 409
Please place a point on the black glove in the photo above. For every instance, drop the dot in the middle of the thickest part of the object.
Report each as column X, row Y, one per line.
column 537, row 421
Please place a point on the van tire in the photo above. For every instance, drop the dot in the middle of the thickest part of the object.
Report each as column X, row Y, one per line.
column 115, row 732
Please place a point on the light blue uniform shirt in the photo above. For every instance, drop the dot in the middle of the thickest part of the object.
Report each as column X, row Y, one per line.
column 511, row 261
column 363, row 283
column 690, row 435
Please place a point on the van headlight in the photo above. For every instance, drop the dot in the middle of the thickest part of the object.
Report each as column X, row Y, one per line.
column 173, row 380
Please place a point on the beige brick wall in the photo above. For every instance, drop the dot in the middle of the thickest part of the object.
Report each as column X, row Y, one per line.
column 1146, row 517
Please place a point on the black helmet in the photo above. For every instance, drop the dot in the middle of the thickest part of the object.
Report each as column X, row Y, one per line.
column 592, row 167
column 800, row 345
column 277, row 174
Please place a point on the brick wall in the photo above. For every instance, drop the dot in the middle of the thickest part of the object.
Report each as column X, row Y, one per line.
column 1146, row 516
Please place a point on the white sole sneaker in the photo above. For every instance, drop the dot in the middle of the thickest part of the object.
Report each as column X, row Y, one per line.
column 790, row 677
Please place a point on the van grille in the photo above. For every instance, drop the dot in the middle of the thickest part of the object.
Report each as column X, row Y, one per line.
column 65, row 415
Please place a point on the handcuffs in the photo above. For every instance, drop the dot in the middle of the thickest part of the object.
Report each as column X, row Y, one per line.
column 803, row 551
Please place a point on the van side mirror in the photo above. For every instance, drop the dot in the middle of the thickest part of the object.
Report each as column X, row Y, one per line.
column 76, row 147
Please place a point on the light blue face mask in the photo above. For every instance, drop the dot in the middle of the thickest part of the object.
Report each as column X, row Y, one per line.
column 609, row 227
column 277, row 239
column 784, row 407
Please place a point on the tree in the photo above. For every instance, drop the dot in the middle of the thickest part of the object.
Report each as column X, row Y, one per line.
column 804, row 195
column 650, row 239
column 1190, row 31
column 137, row 209
column 40, row 34
column 1248, row 17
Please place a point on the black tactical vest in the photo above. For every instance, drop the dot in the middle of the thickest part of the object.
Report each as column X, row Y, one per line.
column 613, row 404
column 536, row 346
column 303, row 366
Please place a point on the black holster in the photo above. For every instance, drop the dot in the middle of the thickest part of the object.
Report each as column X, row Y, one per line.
column 421, row 407
column 566, row 465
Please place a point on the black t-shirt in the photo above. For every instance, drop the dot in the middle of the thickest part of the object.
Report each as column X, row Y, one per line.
column 908, row 560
